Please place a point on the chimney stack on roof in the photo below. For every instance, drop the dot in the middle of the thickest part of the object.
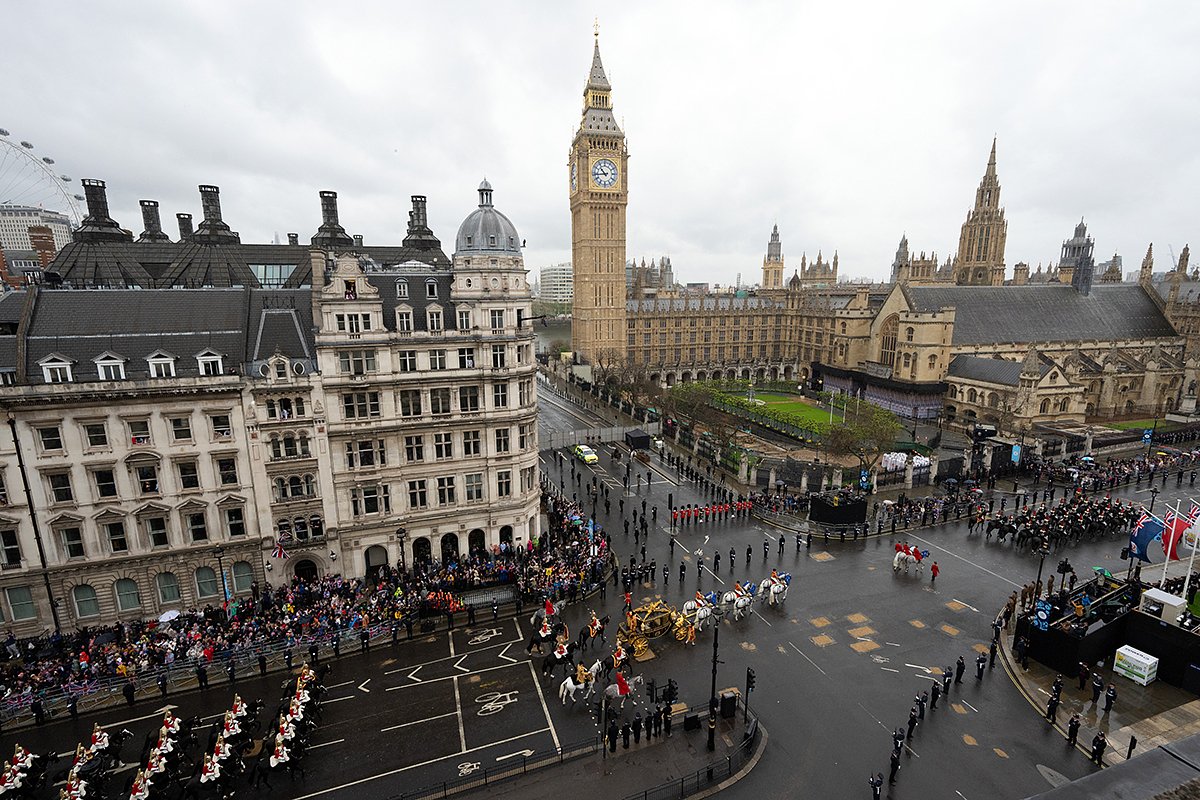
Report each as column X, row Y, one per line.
column 98, row 225
column 294, row 239
column 331, row 233
column 153, row 231
column 212, row 229
column 419, row 235
column 185, row 227
column 358, row 240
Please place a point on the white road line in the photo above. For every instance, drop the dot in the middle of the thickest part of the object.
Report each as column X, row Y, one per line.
column 764, row 619
column 967, row 560
column 428, row 681
column 892, row 644
column 537, row 685
column 968, row 705
column 914, row 666
column 334, row 686
column 337, row 699
column 889, row 669
column 502, row 652
column 451, row 638
column 325, row 744
column 968, row 605
column 801, row 652
column 410, row 667
column 389, row 773
column 417, row 722
column 462, row 736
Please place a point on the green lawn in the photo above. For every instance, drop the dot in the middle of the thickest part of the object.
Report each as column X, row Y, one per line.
column 1143, row 424
column 791, row 404
column 766, row 397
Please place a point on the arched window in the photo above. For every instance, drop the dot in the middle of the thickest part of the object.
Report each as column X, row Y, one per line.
column 285, row 528
column 907, row 360
column 316, row 526
column 272, row 411
column 289, row 445
column 281, row 492
column 243, row 576
column 206, row 582
column 1045, row 406
column 295, row 486
column 1062, row 404
column 843, row 329
column 304, row 450
column 276, row 448
column 168, row 587
column 128, row 596
column 285, row 408
column 310, row 486
column 86, row 604
column 299, row 406
column 971, row 395
column 908, row 334
column 301, row 526
column 933, row 361
column 887, row 336
column 953, row 392
column 994, row 400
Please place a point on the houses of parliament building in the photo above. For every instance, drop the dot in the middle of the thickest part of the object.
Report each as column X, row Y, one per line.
column 957, row 340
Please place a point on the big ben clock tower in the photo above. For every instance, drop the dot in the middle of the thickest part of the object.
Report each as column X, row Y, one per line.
column 598, row 180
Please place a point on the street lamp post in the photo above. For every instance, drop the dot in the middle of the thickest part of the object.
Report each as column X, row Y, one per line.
column 712, row 700
column 1153, row 497
column 219, row 551
column 1043, row 551
column 402, row 535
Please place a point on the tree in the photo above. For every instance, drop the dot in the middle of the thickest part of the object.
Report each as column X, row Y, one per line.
column 606, row 368
column 866, row 434
column 635, row 385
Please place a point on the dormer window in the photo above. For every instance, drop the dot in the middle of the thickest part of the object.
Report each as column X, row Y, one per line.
column 351, row 289
column 491, row 241
column 402, row 289
column 431, row 289
column 162, row 365
column 281, row 369
column 211, row 363
column 56, row 369
column 470, row 240
column 434, row 318
column 404, row 319
column 110, row 367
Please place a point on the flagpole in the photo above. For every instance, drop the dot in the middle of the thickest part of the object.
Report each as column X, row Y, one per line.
column 1191, row 560
column 1167, row 533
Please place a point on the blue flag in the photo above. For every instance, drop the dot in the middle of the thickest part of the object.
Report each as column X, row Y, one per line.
column 1146, row 530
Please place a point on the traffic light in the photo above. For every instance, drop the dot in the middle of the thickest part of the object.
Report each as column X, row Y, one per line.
column 672, row 691
column 650, row 690
column 1124, row 553
column 750, row 676
column 1064, row 567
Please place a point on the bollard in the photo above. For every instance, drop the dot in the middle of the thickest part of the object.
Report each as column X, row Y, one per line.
column 1132, row 744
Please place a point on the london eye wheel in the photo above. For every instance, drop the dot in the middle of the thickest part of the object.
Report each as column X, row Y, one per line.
column 28, row 178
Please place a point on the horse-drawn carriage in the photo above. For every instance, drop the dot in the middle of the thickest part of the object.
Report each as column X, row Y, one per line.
column 644, row 623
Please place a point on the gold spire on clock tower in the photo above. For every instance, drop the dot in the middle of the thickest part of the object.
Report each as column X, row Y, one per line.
column 598, row 182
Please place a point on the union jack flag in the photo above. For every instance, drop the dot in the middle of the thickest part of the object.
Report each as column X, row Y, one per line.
column 279, row 552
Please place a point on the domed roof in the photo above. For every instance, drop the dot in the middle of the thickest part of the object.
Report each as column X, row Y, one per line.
column 486, row 230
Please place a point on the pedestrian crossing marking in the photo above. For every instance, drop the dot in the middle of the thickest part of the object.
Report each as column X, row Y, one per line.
column 999, row 752
column 948, row 629
column 865, row 630
column 819, row 622
column 822, row 556
column 858, row 619
column 822, row 640
column 959, row 708
column 954, row 605
column 916, row 623
column 969, row 740
column 981, row 648
column 865, row 647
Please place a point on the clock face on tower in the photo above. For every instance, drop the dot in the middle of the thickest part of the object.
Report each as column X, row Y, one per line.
column 604, row 173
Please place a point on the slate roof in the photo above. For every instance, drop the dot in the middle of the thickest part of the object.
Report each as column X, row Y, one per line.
column 1045, row 313
column 386, row 282
column 990, row 370
column 703, row 303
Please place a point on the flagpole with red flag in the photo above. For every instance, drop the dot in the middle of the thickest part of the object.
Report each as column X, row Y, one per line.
column 1169, row 538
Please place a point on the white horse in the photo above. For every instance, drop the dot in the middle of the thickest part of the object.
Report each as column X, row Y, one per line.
column 775, row 590
column 569, row 687
column 739, row 602
column 613, row 692
column 540, row 614
column 903, row 559
column 697, row 614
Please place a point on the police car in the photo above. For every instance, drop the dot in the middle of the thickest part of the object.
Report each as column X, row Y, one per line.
column 585, row 454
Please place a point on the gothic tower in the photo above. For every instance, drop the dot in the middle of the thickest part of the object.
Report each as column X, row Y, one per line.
column 772, row 269
column 980, row 260
column 598, row 180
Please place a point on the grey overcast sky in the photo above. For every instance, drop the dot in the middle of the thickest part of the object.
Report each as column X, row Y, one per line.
column 847, row 123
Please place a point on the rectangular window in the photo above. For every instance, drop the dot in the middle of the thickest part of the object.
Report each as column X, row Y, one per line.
column 402, row 289
column 116, row 536
column 106, row 483
column 189, row 475
column 527, row 479
column 500, row 395
column 162, row 368
column 368, row 453
column 464, row 319
column 439, row 401
column 222, row 428
column 360, row 405
column 210, row 366
column 466, row 358
column 414, row 449
column 445, row 488
column 435, row 321
column 525, row 392
column 471, row 443
column 468, row 399
column 504, row 483
column 139, row 432
column 156, row 531
column 417, row 497
column 10, row 548
column 235, row 522
column 443, row 446
column 524, row 436
column 56, row 373
column 474, row 487
column 431, row 289
column 410, row 403
column 499, row 356
column 369, row 500
column 197, row 527
column 181, row 429
column 96, row 434
column 406, row 361
column 353, row 323
column 20, row 603
column 60, row 487
column 111, row 370
column 502, row 440
column 437, row 359
column 147, row 478
column 356, row 362
column 404, row 321
column 497, row 315
column 227, row 471
column 72, row 539
column 51, row 438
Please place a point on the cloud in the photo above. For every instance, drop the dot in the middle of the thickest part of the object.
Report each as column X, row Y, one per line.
column 848, row 124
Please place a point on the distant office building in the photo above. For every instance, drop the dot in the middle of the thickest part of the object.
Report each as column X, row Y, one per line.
column 15, row 222
column 557, row 284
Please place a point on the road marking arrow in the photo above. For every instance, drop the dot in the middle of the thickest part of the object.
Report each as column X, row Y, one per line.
column 706, row 540
column 505, row 650
column 412, row 676
column 458, row 663
column 525, row 753
column 363, row 686
column 973, row 608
